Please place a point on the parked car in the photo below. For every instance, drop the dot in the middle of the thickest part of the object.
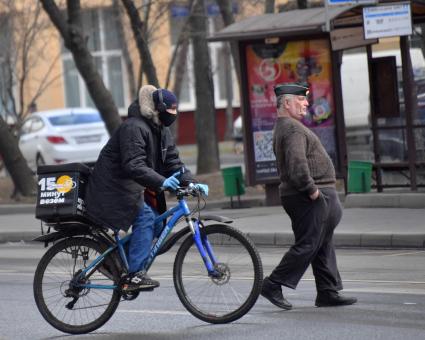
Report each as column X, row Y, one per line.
column 62, row 136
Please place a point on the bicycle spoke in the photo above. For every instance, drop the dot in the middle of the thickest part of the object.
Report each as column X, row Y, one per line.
column 74, row 308
column 228, row 294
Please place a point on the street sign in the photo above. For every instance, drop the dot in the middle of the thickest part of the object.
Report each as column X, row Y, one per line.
column 387, row 20
column 351, row 2
column 344, row 38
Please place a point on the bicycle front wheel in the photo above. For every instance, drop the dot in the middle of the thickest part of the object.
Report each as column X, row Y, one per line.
column 225, row 298
column 67, row 307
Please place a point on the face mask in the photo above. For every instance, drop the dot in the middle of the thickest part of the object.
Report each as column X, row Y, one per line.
column 167, row 118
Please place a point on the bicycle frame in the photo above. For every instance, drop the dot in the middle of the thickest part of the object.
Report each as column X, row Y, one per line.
column 176, row 212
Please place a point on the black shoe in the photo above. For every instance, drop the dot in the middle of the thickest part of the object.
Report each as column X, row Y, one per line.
column 333, row 299
column 139, row 281
column 273, row 292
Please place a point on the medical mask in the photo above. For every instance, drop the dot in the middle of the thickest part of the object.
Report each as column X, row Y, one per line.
column 167, row 118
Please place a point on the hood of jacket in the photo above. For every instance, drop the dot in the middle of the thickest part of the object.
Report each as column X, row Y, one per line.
column 146, row 104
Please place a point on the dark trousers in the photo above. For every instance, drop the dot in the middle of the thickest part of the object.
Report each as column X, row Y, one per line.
column 313, row 224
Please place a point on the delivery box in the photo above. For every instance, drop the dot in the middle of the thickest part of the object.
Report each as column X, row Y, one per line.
column 60, row 192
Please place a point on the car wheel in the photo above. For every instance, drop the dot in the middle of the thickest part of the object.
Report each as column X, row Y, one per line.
column 39, row 160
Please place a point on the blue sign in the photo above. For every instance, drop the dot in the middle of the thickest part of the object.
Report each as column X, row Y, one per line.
column 212, row 9
column 351, row 2
column 179, row 11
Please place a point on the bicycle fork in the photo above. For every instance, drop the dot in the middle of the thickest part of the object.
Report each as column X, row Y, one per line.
column 204, row 248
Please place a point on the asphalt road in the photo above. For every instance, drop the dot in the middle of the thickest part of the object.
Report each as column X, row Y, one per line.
column 390, row 286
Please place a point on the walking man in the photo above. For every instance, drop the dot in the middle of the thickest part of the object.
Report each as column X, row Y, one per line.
column 308, row 195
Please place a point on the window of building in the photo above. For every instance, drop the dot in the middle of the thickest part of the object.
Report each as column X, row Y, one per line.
column 100, row 25
column 179, row 13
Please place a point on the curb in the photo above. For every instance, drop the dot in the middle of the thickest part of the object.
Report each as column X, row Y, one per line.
column 283, row 239
column 14, row 209
column 390, row 241
column 360, row 200
column 385, row 200
column 18, row 236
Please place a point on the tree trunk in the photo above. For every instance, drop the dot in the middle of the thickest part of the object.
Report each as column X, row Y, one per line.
column 231, row 48
column 228, row 19
column 125, row 52
column 76, row 42
column 180, row 71
column 229, row 94
column 145, row 56
column 206, row 130
column 269, row 6
column 302, row 4
column 14, row 162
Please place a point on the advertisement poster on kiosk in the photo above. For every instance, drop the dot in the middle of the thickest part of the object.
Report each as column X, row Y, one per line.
column 305, row 61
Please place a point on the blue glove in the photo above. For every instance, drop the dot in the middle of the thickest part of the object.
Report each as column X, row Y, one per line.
column 172, row 182
column 203, row 188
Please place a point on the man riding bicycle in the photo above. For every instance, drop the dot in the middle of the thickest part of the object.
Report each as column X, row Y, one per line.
column 141, row 154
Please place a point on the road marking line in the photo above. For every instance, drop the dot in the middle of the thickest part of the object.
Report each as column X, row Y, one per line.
column 402, row 254
column 144, row 311
column 156, row 312
column 163, row 277
column 378, row 281
column 385, row 291
column 409, row 303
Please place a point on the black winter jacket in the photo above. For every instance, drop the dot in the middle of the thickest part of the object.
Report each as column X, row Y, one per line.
column 140, row 154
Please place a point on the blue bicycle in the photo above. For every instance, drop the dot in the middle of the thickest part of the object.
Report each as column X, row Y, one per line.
column 78, row 282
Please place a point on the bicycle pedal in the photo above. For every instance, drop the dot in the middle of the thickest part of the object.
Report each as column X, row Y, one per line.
column 149, row 289
column 128, row 289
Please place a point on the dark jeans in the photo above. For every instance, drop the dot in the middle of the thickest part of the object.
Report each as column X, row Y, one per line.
column 313, row 224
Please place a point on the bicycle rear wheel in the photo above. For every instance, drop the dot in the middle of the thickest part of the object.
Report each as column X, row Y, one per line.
column 68, row 308
column 229, row 297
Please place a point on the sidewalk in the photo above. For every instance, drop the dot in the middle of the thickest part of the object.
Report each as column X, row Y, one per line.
column 390, row 220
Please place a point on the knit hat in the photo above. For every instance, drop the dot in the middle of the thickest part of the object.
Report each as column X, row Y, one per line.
column 291, row 88
column 164, row 100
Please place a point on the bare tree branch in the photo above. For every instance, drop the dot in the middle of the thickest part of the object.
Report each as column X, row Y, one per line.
column 126, row 54
column 228, row 19
column 56, row 17
column 144, row 53
column 44, row 83
column 75, row 40
column 183, row 38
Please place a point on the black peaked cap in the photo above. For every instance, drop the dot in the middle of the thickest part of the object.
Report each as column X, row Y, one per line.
column 291, row 88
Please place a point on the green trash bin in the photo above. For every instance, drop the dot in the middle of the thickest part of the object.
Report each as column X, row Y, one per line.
column 233, row 181
column 359, row 176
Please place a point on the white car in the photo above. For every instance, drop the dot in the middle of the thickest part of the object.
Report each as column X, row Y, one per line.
column 62, row 136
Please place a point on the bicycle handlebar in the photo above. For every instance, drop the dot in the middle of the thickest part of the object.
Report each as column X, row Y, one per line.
column 186, row 191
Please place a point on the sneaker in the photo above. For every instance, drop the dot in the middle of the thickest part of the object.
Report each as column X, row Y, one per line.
column 333, row 299
column 139, row 281
column 273, row 292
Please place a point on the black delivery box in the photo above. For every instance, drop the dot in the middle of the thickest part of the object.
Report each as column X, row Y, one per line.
column 60, row 192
